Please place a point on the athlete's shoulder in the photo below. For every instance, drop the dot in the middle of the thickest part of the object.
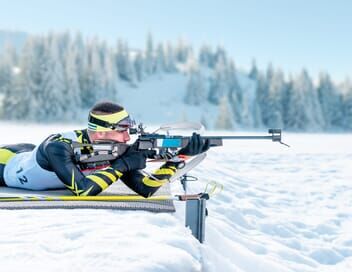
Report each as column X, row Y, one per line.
column 79, row 135
column 54, row 142
column 62, row 143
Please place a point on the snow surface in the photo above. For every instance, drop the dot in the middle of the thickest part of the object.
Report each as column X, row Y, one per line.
column 282, row 209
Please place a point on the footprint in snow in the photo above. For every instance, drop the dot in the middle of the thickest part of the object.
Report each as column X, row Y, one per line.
column 276, row 230
column 326, row 256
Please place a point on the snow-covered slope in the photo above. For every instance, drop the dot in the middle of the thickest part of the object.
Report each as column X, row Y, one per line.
column 159, row 99
column 282, row 209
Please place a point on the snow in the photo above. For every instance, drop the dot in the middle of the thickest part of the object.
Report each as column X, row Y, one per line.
column 281, row 209
column 155, row 96
column 165, row 93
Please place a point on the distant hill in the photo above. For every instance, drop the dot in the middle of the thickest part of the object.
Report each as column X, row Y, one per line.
column 58, row 76
column 16, row 38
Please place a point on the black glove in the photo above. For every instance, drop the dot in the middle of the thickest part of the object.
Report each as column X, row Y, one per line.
column 132, row 160
column 151, row 154
column 195, row 146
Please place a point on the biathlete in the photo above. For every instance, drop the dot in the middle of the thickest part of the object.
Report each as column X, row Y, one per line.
column 53, row 163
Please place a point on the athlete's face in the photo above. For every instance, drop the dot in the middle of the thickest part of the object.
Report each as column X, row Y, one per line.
column 114, row 135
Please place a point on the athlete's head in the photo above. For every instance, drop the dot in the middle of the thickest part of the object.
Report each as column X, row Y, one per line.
column 109, row 121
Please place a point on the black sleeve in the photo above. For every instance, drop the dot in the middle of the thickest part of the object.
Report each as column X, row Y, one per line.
column 61, row 159
column 146, row 186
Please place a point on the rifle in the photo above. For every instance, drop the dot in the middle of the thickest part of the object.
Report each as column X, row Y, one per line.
column 153, row 140
column 166, row 144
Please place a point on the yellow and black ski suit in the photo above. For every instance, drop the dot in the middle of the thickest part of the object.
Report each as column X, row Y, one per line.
column 52, row 165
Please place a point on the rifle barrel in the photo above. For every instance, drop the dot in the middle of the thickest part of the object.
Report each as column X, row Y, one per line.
column 165, row 141
column 239, row 137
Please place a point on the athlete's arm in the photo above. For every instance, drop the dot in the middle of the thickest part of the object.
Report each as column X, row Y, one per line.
column 61, row 160
column 147, row 186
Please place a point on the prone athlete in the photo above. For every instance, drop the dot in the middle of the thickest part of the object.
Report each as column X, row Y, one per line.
column 52, row 164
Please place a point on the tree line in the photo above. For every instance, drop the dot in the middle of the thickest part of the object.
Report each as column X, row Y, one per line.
column 55, row 77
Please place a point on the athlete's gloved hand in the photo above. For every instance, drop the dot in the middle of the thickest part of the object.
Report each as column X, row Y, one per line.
column 132, row 160
column 151, row 154
column 195, row 146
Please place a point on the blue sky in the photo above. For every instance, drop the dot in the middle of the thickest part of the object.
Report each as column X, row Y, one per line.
column 290, row 34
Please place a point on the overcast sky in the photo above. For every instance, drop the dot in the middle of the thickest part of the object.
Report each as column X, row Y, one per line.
column 290, row 34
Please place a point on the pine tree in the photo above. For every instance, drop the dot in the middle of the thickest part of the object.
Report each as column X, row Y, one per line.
column 206, row 57
column 111, row 80
column 8, row 72
column 238, row 105
column 93, row 74
column 224, row 120
column 139, row 66
column 274, row 110
column 195, row 93
column 170, row 59
column 270, row 90
column 149, row 56
column 312, row 104
column 85, row 77
column 347, row 104
column 220, row 55
column 28, row 85
column 13, row 99
column 182, row 51
column 261, row 95
column 53, row 96
column 295, row 117
column 255, row 116
column 330, row 101
column 82, row 64
column 73, row 91
column 219, row 85
column 124, row 63
column 160, row 62
column 8, row 66
column 253, row 74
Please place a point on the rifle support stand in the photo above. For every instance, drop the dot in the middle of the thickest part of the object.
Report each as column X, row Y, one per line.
column 195, row 217
column 183, row 180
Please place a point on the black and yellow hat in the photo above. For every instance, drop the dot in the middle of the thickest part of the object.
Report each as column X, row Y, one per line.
column 119, row 121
